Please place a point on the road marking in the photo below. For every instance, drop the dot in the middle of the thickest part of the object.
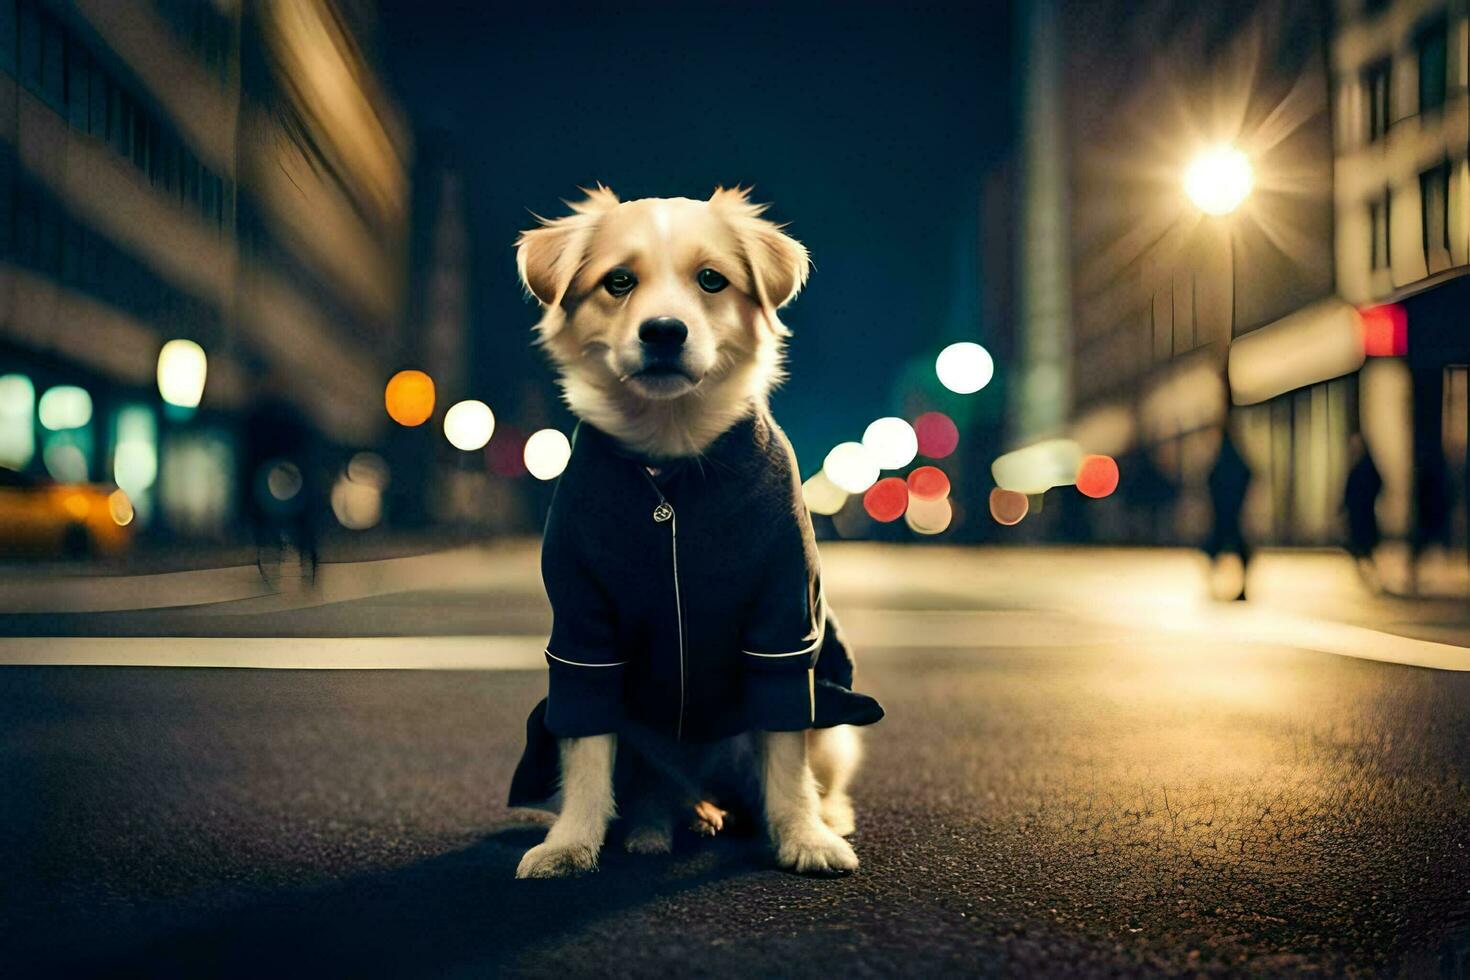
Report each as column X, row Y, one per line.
column 281, row 653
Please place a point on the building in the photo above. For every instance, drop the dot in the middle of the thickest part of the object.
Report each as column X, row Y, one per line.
column 1164, row 296
column 1402, row 192
column 227, row 173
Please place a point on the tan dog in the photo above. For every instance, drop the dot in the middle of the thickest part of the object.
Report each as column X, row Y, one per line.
column 661, row 318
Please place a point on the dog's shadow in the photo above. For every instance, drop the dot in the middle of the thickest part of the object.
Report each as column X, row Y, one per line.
column 462, row 912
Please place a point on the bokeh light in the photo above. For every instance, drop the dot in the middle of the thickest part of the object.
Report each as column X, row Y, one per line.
column 892, row 442
column 409, row 398
column 65, row 462
column 357, row 506
column 928, row 483
column 284, row 481
column 851, row 467
column 17, row 421
column 1219, row 180
column 547, row 453
column 938, row 435
column 964, row 368
column 468, row 425
column 369, row 469
column 887, row 499
column 182, row 369
column 1097, row 476
column 65, row 407
column 822, row 496
column 928, row 516
column 1385, row 330
column 120, row 508
column 1038, row 467
column 1007, row 506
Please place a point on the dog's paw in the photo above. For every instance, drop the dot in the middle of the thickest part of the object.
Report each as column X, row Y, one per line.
column 837, row 814
column 814, row 849
column 649, row 839
column 548, row 860
column 708, row 819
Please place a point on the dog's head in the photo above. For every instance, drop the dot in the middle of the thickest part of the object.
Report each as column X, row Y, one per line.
column 661, row 299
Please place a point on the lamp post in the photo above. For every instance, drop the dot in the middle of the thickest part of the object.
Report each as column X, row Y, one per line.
column 1218, row 181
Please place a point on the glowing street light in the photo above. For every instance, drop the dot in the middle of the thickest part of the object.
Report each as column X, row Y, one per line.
column 892, row 443
column 964, row 368
column 182, row 368
column 851, row 466
column 409, row 398
column 547, row 453
column 1219, row 180
column 468, row 425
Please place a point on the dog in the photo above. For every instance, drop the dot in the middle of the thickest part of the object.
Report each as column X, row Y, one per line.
column 660, row 316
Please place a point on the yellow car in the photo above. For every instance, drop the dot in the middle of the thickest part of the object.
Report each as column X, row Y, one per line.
column 44, row 518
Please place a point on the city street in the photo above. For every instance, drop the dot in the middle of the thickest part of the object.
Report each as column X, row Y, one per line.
column 1086, row 768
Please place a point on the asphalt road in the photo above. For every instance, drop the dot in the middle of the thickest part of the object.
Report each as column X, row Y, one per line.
column 1066, row 800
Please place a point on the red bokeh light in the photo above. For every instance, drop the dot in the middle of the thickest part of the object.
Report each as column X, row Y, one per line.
column 938, row 435
column 1097, row 476
column 929, row 483
column 505, row 454
column 1385, row 330
column 887, row 499
column 1008, row 506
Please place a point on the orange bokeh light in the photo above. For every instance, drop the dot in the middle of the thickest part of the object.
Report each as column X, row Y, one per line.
column 887, row 499
column 409, row 398
column 1007, row 506
column 929, row 483
column 1097, row 476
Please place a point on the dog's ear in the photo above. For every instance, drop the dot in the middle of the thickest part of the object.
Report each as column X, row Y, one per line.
column 777, row 263
column 548, row 257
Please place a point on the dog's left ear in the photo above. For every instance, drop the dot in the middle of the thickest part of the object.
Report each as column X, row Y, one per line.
column 547, row 257
column 778, row 264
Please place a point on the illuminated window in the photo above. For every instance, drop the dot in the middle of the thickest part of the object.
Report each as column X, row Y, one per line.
column 1378, row 92
column 1433, row 65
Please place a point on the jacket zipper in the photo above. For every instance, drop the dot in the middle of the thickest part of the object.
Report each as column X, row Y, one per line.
column 665, row 512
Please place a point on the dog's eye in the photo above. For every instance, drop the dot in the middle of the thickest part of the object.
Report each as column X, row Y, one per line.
column 619, row 282
column 711, row 281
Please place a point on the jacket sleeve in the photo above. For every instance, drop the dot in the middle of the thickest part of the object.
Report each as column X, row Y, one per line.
column 783, row 636
column 585, row 687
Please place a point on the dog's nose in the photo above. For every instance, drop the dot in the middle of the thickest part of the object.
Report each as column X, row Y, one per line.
column 663, row 331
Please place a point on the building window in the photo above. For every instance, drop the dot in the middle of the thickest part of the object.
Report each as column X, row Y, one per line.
column 1378, row 92
column 1431, row 43
column 1378, row 223
column 1434, row 197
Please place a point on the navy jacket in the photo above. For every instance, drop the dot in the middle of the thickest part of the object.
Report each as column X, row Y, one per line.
column 687, row 603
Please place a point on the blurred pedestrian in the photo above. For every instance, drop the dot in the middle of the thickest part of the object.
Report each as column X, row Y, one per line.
column 279, row 482
column 1360, row 503
column 1229, row 480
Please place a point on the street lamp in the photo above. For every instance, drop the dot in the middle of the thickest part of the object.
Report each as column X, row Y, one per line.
column 1219, row 180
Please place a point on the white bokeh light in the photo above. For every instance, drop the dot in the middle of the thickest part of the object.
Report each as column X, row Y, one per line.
column 182, row 368
column 851, row 467
column 64, row 407
column 468, row 425
column 964, row 368
column 822, row 496
column 892, row 443
column 547, row 453
column 1219, row 180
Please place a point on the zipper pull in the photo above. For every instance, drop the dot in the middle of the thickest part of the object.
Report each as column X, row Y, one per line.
column 662, row 512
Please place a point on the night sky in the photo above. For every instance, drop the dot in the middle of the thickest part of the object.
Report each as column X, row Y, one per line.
column 870, row 126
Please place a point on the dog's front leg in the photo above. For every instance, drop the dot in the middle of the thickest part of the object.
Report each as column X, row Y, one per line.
column 793, row 810
column 574, row 840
